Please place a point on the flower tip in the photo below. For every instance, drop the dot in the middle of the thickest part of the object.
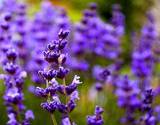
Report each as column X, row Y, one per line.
column 93, row 6
column 63, row 33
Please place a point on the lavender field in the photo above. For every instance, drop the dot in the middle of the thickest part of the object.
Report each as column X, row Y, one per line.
column 79, row 62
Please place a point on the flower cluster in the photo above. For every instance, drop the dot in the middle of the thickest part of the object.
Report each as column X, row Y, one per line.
column 15, row 28
column 142, row 57
column 127, row 92
column 102, row 39
column 101, row 75
column 105, row 75
column 115, row 73
column 20, row 32
column 44, row 27
column 5, row 36
column 118, row 20
column 13, row 97
column 148, row 118
column 96, row 119
column 56, row 59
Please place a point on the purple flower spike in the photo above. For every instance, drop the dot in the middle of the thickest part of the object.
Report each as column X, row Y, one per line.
column 55, row 56
column 92, row 36
column 127, row 92
column 142, row 58
column 13, row 96
column 148, row 118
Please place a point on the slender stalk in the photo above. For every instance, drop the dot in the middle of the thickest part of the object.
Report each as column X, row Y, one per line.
column 48, row 99
column 18, row 114
column 64, row 83
column 53, row 119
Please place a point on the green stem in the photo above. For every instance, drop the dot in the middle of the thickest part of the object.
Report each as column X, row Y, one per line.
column 64, row 83
column 48, row 100
column 18, row 114
column 53, row 119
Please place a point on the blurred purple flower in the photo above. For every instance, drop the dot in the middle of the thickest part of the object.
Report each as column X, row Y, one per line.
column 14, row 82
column 96, row 119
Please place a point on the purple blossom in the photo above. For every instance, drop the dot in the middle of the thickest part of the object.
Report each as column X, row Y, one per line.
column 66, row 121
column 29, row 115
column 127, row 92
column 13, row 81
column 12, row 119
column 148, row 118
column 92, row 36
column 56, row 58
column 142, row 57
column 100, row 74
column 44, row 27
column 118, row 19
column 14, row 28
column 96, row 119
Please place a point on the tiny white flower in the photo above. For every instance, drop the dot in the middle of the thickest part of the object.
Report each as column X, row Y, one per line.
column 76, row 80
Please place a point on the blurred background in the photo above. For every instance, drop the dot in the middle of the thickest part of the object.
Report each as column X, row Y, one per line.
column 135, row 14
column 134, row 11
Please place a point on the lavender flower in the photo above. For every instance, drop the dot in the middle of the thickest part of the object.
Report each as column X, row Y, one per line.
column 118, row 20
column 12, row 120
column 20, row 33
column 148, row 118
column 66, row 121
column 28, row 117
column 115, row 75
column 92, row 36
column 16, row 26
column 96, row 119
column 44, row 27
column 101, row 75
column 5, row 32
column 14, row 81
column 56, row 58
column 127, row 93
column 142, row 57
